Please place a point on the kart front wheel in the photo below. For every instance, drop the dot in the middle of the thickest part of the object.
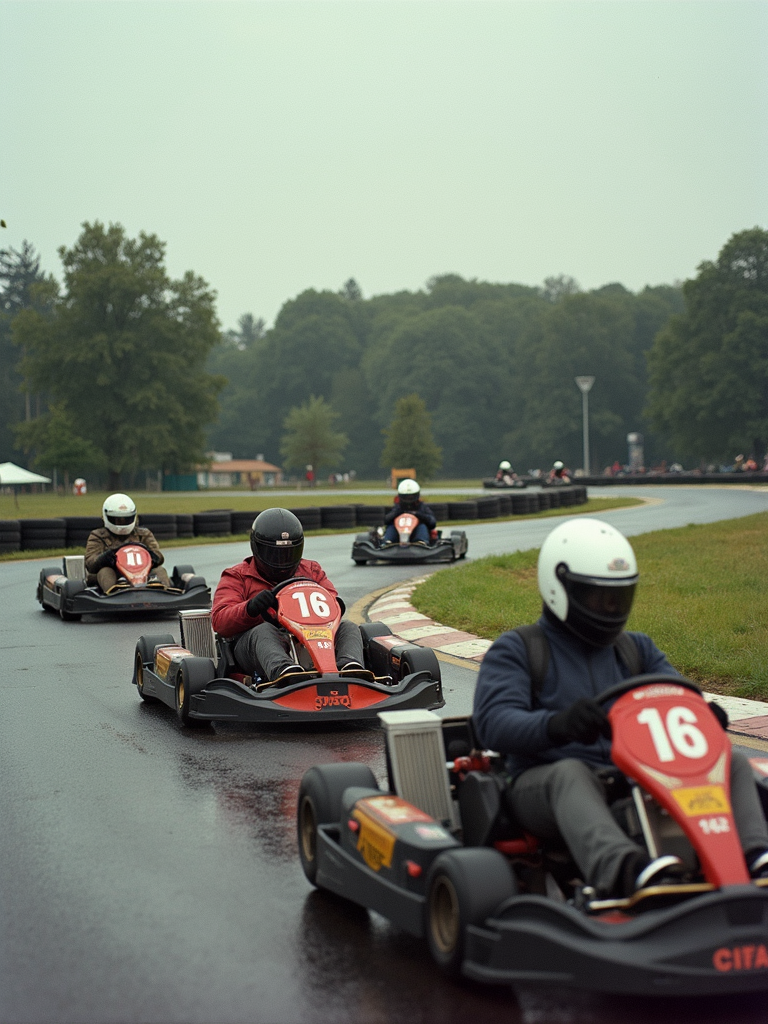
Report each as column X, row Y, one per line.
column 193, row 676
column 69, row 589
column 420, row 659
column 319, row 803
column 464, row 887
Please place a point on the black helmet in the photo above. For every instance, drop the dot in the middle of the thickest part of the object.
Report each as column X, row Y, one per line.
column 277, row 543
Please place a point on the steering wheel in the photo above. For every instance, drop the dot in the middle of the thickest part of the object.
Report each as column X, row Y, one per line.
column 655, row 677
column 294, row 579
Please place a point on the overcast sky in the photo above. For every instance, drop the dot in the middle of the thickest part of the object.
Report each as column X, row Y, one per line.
column 278, row 146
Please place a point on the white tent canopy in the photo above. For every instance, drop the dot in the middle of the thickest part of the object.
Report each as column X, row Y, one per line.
column 11, row 474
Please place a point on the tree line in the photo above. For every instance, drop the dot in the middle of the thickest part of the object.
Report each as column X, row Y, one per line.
column 121, row 369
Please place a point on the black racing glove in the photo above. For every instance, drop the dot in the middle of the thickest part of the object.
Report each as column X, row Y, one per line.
column 261, row 603
column 107, row 559
column 152, row 554
column 583, row 721
column 719, row 712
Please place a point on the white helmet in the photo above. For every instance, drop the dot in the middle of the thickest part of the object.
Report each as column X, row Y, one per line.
column 119, row 514
column 557, row 465
column 506, row 466
column 409, row 492
column 587, row 579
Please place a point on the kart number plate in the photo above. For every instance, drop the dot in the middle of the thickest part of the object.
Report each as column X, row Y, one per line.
column 697, row 800
column 374, row 843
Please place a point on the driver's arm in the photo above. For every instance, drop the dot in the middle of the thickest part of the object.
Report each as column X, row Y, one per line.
column 147, row 538
column 94, row 549
column 229, row 614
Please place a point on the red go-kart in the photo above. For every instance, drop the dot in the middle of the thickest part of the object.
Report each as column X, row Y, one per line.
column 66, row 591
column 201, row 680
column 439, row 855
column 371, row 547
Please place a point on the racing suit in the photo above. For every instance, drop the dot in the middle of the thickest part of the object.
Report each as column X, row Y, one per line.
column 427, row 522
column 261, row 647
column 554, row 792
column 102, row 540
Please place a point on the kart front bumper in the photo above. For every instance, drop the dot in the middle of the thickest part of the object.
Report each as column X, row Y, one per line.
column 132, row 599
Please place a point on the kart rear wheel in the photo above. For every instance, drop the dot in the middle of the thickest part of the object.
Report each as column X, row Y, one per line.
column 464, row 887
column 319, row 803
column 193, row 676
column 179, row 571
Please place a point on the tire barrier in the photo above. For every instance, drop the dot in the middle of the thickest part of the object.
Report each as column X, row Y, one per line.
column 216, row 523
column 10, row 535
column 79, row 529
column 162, row 525
column 370, row 515
column 73, row 531
column 336, row 517
column 38, row 534
column 185, row 525
column 462, row 510
column 309, row 517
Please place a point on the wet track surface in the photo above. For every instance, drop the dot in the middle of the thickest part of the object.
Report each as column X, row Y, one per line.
column 149, row 873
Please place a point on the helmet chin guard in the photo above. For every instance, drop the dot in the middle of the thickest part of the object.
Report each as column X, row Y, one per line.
column 587, row 579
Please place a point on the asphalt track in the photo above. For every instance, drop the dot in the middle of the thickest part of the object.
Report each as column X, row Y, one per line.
column 149, row 873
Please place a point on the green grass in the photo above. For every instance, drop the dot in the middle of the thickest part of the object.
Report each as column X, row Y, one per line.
column 702, row 597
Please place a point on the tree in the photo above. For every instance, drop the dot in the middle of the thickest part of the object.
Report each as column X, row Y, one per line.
column 251, row 330
column 19, row 273
column 56, row 442
column 709, row 366
column 351, row 290
column 409, row 442
column 310, row 439
column 122, row 356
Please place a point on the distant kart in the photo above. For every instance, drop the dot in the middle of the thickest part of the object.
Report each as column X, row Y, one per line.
column 64, row 589
column 371, row 547
column 202, row 682
column 439, row 855
column 504, row 485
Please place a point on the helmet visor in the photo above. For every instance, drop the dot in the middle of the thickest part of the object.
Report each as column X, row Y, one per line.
column 610, row 599
column 121, row 520
column 280, row 557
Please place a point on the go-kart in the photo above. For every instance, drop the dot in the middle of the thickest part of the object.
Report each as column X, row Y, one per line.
column 65, row 589
column 506, row 483
column 201, row 680
column 439, row 855
column 371, row 547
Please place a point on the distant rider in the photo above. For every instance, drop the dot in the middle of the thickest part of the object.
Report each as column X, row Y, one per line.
column 505, row 474
column 408, row 499
column 555, row 738
column 119, row 529
column 244, row 599
column 559, row 474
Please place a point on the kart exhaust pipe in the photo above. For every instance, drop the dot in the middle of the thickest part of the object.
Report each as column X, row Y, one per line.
column 197, row 633
column 416, row 760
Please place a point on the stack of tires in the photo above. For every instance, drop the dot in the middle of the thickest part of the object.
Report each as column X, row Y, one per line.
column 185, row 525
column 337, row 517
column 216, row 523
column 79, row 529
column 440, row 509
column 10, row 535
column 309, row 517
column 505, row 504
column 462, row 510
column 488, row 508
column 243, row 521
column 162, row 525
column 370, row 515
column 39, row 534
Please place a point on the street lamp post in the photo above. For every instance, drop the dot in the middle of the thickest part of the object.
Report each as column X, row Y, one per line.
column 584, row 384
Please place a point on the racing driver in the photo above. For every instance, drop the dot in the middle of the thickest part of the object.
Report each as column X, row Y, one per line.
column 408, row 499
column 244, row 599
column 555, row 734
column 119, row 515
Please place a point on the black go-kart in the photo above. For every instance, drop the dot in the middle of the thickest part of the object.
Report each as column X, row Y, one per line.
column 439, row 855
column 64, row 589
column 200, row 679
column 371, row 547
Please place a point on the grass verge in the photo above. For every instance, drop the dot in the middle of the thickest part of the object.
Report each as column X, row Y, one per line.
column 702, row 597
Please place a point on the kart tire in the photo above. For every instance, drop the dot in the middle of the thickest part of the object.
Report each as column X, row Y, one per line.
column 193, row 676
column 145, row 653
column 69, row 589
column 360, row 561
column 464, row 887
column 196, row 581
column 319, row 803
column 420, row 659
